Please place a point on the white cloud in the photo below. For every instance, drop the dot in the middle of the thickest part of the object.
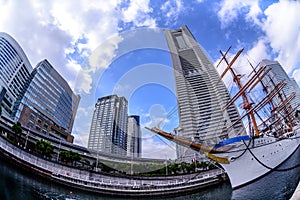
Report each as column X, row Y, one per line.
column 296, row 75
column 73, row 68
column 84, row 81
column 157, row 116
column 104, row 53
column 171, row 9
column 258, row 52
column 230, row 9
column 281, row 29
column 82, row 124
column 138, row 12
column 282, row 26
column 161, row 150
column 85, row 111
column 52, row 29
column 82, row 139
column 253, row 56
column 254, row 12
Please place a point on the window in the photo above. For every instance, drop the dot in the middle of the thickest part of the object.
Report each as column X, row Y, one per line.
column 38, row 128
column 32, row 116
column 180, row 41
column 30, row 123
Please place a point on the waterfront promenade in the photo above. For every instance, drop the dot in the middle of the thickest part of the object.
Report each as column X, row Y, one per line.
column 103, row 183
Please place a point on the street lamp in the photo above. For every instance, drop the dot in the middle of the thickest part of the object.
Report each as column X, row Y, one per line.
column 58, row 149
column 166, row 166
column 97, row 154
column 27, row 135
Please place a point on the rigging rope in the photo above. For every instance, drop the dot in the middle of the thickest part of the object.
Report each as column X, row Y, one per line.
column 270, row 168
column 243, row 151
column 166, row 143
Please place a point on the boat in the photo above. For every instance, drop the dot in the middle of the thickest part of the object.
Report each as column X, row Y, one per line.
column 267, row 142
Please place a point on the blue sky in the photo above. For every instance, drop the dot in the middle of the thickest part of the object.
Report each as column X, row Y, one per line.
column 103, row 47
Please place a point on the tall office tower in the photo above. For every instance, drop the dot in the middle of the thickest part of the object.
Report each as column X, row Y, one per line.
column 297, row 90
column 134, row 140
column 48, row 104
column 200, row 96
column 108, row 131
column 278, row 74
column 15, row 69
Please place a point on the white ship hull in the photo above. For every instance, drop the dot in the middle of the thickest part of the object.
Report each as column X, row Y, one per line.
column 270, row 152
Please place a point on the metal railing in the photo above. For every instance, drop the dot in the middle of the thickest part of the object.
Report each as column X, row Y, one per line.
column 100, row 181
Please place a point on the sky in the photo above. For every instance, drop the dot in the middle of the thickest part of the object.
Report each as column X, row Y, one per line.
column 105, row 47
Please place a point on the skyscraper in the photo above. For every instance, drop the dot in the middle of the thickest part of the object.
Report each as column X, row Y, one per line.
column 134, row 140
column 278, row 74
column 108, row 131
column 15, row 69
column 297, row 90
column 200, row 96
column 48, row 104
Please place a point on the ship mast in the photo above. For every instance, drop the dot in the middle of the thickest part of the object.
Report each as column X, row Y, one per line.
column 284, row 108
column 236, row 78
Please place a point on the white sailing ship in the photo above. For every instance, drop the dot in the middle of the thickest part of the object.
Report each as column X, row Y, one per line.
column 270, row 140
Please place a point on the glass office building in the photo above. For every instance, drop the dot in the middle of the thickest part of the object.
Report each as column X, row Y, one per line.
column 297, row 90
column 108, row 131
column 200, row 96
column 278, row 74
column 15, row 70
column 48, row 104
column 134, row 137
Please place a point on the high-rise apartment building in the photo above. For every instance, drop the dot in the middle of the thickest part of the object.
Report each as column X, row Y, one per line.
column 200, row 96
column 48, row 104
column 278, row 74
column 15, row 69
column 134, row 140
column 108, row 131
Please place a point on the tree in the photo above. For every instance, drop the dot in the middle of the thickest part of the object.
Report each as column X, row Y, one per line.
column 44, row 147
column 70, row 156
column 65, row 156
column 17, row 129
column 75, row 157
column 85, row 162
column 173, row 168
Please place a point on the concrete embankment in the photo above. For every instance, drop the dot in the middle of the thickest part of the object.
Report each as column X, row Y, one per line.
column 105, row 184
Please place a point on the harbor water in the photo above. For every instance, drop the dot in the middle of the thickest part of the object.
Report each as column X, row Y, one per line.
column 18, row 184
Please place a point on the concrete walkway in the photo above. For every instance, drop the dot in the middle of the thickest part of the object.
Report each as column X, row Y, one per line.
column 296, row 195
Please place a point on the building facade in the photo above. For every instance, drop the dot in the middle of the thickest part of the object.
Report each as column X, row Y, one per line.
column 134, row 138
column 15, row 70
column 108, row 131
column 47, row 105
column 278, row 74
column 297, row 90
column 200, row 96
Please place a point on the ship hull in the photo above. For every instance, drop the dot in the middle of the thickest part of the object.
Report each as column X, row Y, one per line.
column 262, row 156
